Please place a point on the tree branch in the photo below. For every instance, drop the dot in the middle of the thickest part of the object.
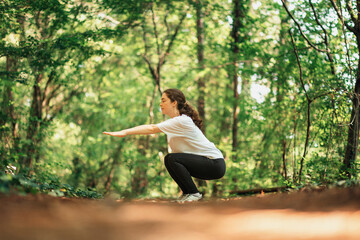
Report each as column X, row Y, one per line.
column 155, row 30
column 155, row 71
column 58, row 107
column 147, row 60
column 299, row 65
column 50, row 96
column 339, row 14
column 351, row 12
column 331, row 60
column 166, row 25
column 50, row 79
column 162, row 59
column 318, row 22
column 299, row 28
column 308, row 108
column 143, row 26
column 152, row 70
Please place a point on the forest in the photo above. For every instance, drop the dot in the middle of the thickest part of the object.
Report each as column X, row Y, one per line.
column 276, row 83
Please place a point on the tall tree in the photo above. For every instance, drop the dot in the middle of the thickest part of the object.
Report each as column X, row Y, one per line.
column 160, row 43
column 235, row 68
column 238, row 15
column 316, row 24
column 353, row 25
column 52, row 44
column 201, row 84
column 50, row 52
column 281, row 85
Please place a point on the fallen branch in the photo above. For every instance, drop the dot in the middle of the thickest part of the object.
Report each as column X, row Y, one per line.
column 259, row 190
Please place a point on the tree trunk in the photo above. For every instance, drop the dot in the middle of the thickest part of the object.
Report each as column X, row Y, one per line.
column 284, row 159
column 7, row 115
column 281, row 85
column 139, row 178
column 8, row 111
column 353, row 131
column 76, row 171
column 32, row 137
column 237, row 16
column 116, row 157
column 201, row 62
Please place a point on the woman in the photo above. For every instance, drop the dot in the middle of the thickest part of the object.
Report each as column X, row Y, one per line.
column 193, row 155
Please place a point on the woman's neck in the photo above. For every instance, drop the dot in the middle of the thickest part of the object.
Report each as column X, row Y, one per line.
column 174, row 113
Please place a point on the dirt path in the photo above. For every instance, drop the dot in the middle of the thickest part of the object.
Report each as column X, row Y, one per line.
column 326, row 214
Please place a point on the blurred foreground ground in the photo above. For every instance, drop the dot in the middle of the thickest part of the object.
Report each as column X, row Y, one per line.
column 314, row 214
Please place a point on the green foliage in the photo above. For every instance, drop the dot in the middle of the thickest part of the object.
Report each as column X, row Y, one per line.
column 70, row 70
column 324, row 169
column 18, row 184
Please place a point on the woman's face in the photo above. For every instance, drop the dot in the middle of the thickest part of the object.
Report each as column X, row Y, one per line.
column 167, row 107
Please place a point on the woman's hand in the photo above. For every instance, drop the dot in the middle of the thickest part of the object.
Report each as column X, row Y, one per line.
column 116, row 134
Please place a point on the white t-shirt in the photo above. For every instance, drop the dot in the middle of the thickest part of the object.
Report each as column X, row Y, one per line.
column 185, row 137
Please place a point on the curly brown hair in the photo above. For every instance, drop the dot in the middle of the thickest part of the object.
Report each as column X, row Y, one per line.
column 183, row 106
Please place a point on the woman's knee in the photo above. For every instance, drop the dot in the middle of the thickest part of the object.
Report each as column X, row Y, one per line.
column 169, row 160
column 221, row 169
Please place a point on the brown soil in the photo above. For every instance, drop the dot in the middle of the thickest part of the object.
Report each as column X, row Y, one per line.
column 313, row 214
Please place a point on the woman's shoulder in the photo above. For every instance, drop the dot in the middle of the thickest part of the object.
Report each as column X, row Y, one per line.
column 180, row 119
column 184, row 119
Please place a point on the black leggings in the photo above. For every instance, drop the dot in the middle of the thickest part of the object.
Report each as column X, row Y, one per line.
column 182, row 166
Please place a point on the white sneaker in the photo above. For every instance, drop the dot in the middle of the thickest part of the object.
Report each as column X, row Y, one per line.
column 182, row 197
column 193, row 197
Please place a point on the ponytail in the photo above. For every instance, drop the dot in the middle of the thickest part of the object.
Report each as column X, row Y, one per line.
column 183, row 106
column 188, row 110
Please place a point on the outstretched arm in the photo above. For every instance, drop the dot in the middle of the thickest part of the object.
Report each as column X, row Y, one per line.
column 139, row 130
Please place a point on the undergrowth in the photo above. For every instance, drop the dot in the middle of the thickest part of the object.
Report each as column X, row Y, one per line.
column 19, row 184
